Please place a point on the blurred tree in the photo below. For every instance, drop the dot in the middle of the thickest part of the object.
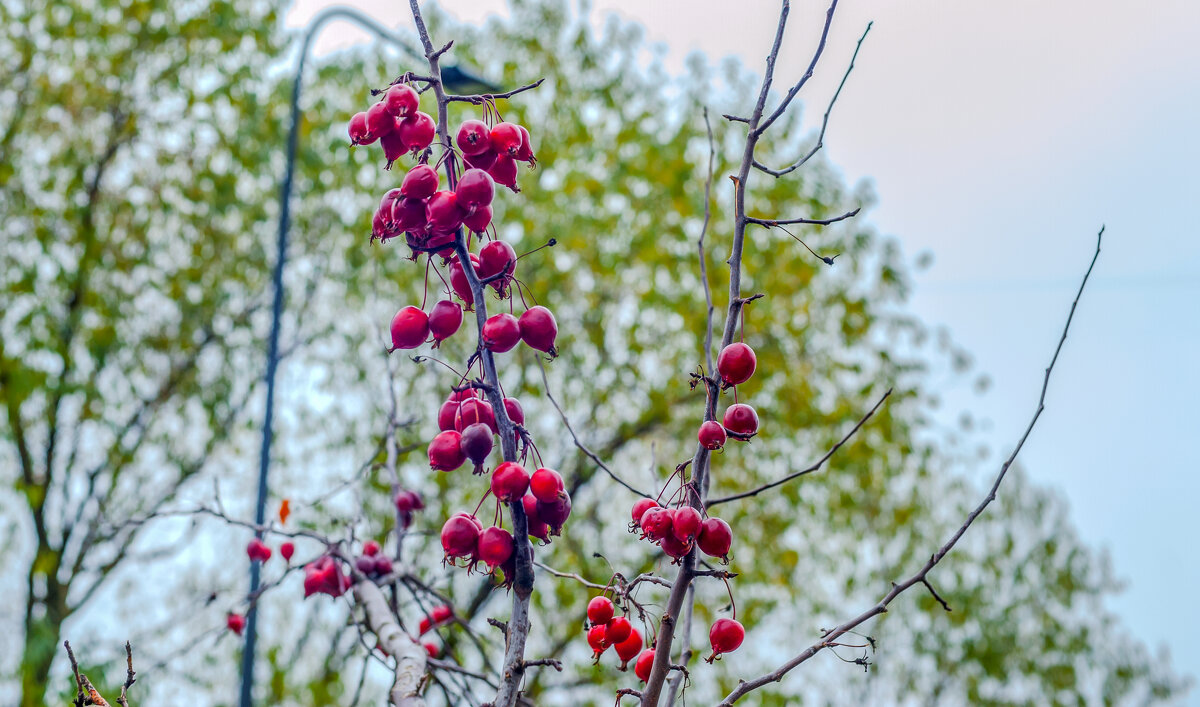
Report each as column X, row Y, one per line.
column 175, row 269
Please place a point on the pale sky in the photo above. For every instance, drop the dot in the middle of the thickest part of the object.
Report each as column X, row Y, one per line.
column 1000, row 136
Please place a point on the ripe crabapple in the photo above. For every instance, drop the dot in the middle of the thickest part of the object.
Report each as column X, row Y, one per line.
column 495, row 546
column 509, row 481
column 408, row 214
column 393, row 147
column 484, row 160
column 410, row 328
column 476, row 443
column 496, row 257
column 444, row 319
column 595, row 639
column 500, row 333
column 258, row 551
column 235, row 623
column 475, row 410
column 458, row 280
column 675, row 547
column 600, row 610
column 370, row 548
column 442, row 212
column 546, row 485
column 379, row 121
column 475, row 189
column 506, row 139
column 711, row 435
column 504, row 172
column 656, row 523
column 420, row 183
column 741, row 420
column 628, row 649
column 715, row 539
column 479, row 219
column 618, row 630
column 445, row 451
column 401, row 100
column 417, row 130
column 287, row 550
column 538, row 329
column 359, row 135
column 515, row 412
column 644, row 664
column 473, row 138
column 725, row 636
column 736, row 363
column 555, row 513
column 525, row 151
column 640, row 507
column 685, row 524
column 460, row 537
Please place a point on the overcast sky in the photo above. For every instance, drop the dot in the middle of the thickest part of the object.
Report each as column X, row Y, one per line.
column 1000, row 136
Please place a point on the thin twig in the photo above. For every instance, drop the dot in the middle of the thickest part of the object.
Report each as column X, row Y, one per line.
column 480, row 98
column 768, row 223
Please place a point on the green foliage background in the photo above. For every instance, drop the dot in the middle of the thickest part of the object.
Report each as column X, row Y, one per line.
column 141, row 151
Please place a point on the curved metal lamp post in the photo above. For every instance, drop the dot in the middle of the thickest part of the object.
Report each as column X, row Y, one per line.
column 451, row 76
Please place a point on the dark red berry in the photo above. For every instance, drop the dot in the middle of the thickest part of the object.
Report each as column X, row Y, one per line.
column 408, row 215
column 711, row 435
column 640, row 507
column 473, row 138
column 595, row 639
column 393, row 147
column 510, row 481
column 538, row 329
column 500, row 332
column 287, row 550
column 370, row 548
column 525, row 151
column 628, row 649
column 644, row 664
column 235, row 623
column 383, row 565
column 685, row 523
column 477, row 444
column 618, row 630
column 417, row 131
column 379, row 121
column 504, row 172
column 442, row 212
column 444, row 319
column 506, row 139
column 495, row 546
column 474, row 410
column 546, row 485
column 537, row 527
column 445, row 451
column 446, row 415
column 656, row 523
column 401, row 100
column 359, row 135
column 460, row 536
column 736, row 363
column 515, row 412
column 458, row 280
column 675, row 547
column 484, row 160
column 479, row 219
column 725, row 636
column 555, row 513
column 741, row 420
column 409, row 501
column 600, row 610
column 475, row 189
column 715, row 539
column 258, row 551
column 496, row 257
column 410, row 328
column 420, row 183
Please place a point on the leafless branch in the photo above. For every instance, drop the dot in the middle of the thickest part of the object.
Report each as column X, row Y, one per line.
column 481, row 98
column 708, row 320
column 758, row 128
column 830, row 637
column 767, row 223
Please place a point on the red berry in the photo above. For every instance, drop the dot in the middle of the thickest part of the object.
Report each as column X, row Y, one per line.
column 600, row 610
column 504, row 172
column 442, row 212
column 379, row 121
column 537, row 527
column 736, row 363
column 359, row 135
column 393, row 147
column 538, row 329
column 515, row 412
column 725, row 636
column 420, row 183
column 431, row 649
column 506, row 139
column 477, row 443
column 479, row 219
column 447, row 414
column 445, row 451
column 510, row 481
column 656, row 523
column 475, row 189
column 417, row 131
column 644, row 664
column 685, row 523
column 460, row 536
column 525, row 151
column 366, row 565
column 546, row 485
column 441, row 614
column 258, row 551
column 408, row 214
column 618, row 630
column 401, row 100
column 424, row 626
column 595, row 639
column 675, row 547
column 711, row 435
column 640, row 507
column 383, row 565
column 458, row 279
column 410, row 328
column 409, row 501
column 555, row 513
column 715, row 539
column 495, row 546
column 444, row 319
column 461, row 396
column 287, row 550
column 629, row 648
column 370, row 548
column 500, row 332
column 473, row 138
column 484, row 160
column 235, row 623
column 475, row 410
column 741, row 420
column 496, row 257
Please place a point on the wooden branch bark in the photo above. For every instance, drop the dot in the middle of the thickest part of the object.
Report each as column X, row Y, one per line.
column 409, row 655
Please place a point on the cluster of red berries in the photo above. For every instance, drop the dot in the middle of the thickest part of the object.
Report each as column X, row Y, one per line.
column 735, row 365
column 395, row 122
column 371, row 562
column 325, row 576
column 608, row 631
column 258, row 551
column 677, row 529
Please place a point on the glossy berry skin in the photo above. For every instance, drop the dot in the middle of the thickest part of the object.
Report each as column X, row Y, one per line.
column 537, row 527
column 515, row 412
column 484, row 160
column 595, row 639
column 716, row 537
column 410, row 328
column 233, row 622
column 640, row 507
column 445, row 451
column 431, row 649
column 379, row 121
column 495, row 546
column 500, row 333
column 359, row 135
column 444, row 320
column 645, row 662
column 393, row 147
column 711, row 435
column 496, row 257
column 401, row 100
column 442, row 212
column 740, row 420
column 287, row 550
column 473, row 138
column 479, row 219
column 458, row 280
column 546, row 485
column 408, row 214
column 686, row 523
column 504, row 172
column 525, row 151
column 460, row 537
column 618, row 630
column 656, row 523
column 510, row 481
column 675, row 547
column 555, row 514
column 475, row 410
column 370, row 548
column 258, row 551
column 475, row 189
column 600, row 610
column 538, row 329
column 736, row 363
column 446, row 415
column 417, row 131
column 477, row 443
column 725, row 636
column 420, row 183
column 506, row 139
column 628, row 649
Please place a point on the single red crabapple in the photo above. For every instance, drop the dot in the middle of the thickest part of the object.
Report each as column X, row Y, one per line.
column 442, row 212
column 401, row 100
column 555, row 514
column 711, row 435
column 506, row 139
column 473, row 138
column 444, row 319
column 370, row 548
column 235, row 623
column 475, row 189
column 538, row 329
column 431, row 649
column 686, row 523
column 287, row 550
column 460, row 537
column 379, row 121
column 675, row 547
column 644, row 664
column 600, row 610
column 458, row 280
column 495, row 546
column 387, row 204
column 446, row 415
column 445, row 451
column 715, row 539
column 408, row 215
column 618, row 630
column 500, row 333
column 393, row 147
column 379, row 228
column 410, row 328
column 595, row 639
column 383, row 565
column 496, row 257
column 736, row 363
column 510, row 481
column 525, row 151
column 515, row 412
column 656, row 523
column 420, row 183
column 258, row 551
column 741, row 420
column 417, row 130
column 640, row 507
column 628, row 649
column 359, row 135
column 424, row 626
column 537, row 527
column 441, row 614
column 474, row 410
column 409, row 501
column 477, row 444
column 479, row 219
column 504, row 172
column 725, row 636
column 546, row 485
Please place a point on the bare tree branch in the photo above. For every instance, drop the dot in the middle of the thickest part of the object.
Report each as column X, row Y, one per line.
column 409, row 655
column 480, row 98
